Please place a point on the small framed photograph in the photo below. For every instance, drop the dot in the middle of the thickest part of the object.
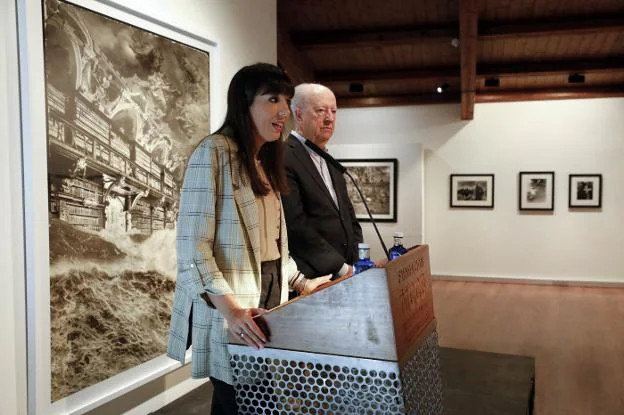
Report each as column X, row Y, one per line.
column 472, row 191
column 585, row 191
column 378, row 180
column 536, row 190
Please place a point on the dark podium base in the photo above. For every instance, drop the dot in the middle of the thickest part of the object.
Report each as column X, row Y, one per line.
column 474, row 383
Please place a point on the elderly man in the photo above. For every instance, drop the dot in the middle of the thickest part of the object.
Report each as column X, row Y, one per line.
column 323, row 232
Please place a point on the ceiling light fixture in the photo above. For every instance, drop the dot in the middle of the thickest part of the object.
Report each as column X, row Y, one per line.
column 356, row 87
column 455, row 42
column 492, row 82
column 576, row 78
column 442, row 88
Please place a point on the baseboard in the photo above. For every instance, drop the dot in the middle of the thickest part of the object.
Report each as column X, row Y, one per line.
column 531, row 281
column 167, row 396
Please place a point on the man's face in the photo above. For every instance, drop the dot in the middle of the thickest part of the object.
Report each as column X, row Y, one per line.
column 316, row 117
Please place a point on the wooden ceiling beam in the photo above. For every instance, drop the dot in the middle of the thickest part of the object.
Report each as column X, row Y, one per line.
column 296, row 65
column 308, row 40
column 373, row 37
column 377, row 75
column 550, row 68
column 395, row 100
column 551, row 94
column 483, row 71
column 561, row 26
column 468, row 21
column 484, row 97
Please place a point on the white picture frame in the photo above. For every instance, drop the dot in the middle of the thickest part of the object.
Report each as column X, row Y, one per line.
column 35, row 184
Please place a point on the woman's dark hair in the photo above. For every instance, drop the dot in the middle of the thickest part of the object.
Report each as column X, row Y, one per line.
column 250, row 81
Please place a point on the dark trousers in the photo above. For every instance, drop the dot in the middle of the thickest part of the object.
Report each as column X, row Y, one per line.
column 223, row 394
column 223, row 398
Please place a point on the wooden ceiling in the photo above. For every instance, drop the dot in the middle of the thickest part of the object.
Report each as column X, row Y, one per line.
column 394, row 52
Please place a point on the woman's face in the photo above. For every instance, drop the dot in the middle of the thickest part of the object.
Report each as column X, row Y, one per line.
column 269, row 113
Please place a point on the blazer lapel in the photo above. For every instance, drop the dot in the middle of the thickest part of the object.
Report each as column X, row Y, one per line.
column 246, row 203
column 304, row 157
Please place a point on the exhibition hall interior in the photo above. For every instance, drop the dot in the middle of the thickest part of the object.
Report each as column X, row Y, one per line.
column 484, row 136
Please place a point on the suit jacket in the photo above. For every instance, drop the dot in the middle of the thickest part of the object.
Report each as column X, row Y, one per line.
column 218, row 252
column 322, row 236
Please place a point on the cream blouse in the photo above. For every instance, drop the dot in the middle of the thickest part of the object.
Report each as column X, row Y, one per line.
column 269, row 217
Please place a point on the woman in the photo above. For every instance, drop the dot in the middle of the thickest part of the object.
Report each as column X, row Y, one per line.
column 231, row 237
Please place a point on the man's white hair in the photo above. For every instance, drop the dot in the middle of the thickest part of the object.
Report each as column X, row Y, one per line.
column 302, row 92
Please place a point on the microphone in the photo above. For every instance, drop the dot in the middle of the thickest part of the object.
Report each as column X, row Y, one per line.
column 343, row 170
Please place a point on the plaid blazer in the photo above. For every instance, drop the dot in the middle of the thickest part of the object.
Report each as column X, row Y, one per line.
column 218, row 252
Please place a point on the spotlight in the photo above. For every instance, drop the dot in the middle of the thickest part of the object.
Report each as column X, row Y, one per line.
column 442, row 88
column 455, row 42
column 356, row 87
column 576, row 78
column 492, row 82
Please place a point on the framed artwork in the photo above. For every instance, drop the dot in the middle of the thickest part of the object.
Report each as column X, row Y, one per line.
column 377, row 179
column 536, row 190
column 585, row 191
column 116, row 102
column 472, row 191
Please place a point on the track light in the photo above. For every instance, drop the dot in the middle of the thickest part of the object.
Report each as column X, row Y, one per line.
column 356, row 87
column 442, row 88
column 492, row 82
column 576, row 78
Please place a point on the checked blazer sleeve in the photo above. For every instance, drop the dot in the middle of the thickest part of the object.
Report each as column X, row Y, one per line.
column 198, row 272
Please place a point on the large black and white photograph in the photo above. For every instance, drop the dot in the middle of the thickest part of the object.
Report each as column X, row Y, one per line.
column 536, row 190
column 125, row 108
column 471, row 190
column 585, row 191
column 377, row 179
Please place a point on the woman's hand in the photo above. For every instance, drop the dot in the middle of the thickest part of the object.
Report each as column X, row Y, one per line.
column 311, row 284
column 241, row 324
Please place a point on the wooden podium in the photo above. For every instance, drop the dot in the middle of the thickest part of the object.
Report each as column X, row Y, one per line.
column 362, row 345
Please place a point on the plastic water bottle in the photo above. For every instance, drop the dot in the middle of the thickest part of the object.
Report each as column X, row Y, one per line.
column 398, row 249
column 364, row 262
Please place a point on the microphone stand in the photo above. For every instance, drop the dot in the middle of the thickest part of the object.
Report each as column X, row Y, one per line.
column 327, row 157
column 370, row 215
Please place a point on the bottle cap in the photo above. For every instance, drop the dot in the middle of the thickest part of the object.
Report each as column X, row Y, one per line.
column 363, row 245
column 398, row 234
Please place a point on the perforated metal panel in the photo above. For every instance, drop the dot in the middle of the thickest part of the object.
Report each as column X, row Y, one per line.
column 422, row 383
column 282, row 382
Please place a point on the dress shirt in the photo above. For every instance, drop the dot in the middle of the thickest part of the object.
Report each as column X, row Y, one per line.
column 321, row 166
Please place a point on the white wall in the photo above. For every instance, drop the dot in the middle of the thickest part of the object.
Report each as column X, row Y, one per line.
column 394, row 132
column 408, row 191
column 572, row 136
column 244, row 32
column 12, row 294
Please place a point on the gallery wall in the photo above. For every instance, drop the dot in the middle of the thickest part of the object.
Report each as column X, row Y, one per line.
column 409, row 193
column 12, row 295
column 244, row 33
column 567, row 137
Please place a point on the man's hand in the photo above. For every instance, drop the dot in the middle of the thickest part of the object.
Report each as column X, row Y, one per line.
column 349, row 273
column 381, row 263
column 313, row 283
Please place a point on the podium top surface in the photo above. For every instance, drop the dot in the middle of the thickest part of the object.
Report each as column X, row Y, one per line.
column 382, row 313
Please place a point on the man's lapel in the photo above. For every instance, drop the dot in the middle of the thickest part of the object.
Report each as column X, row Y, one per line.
column 304, row 157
